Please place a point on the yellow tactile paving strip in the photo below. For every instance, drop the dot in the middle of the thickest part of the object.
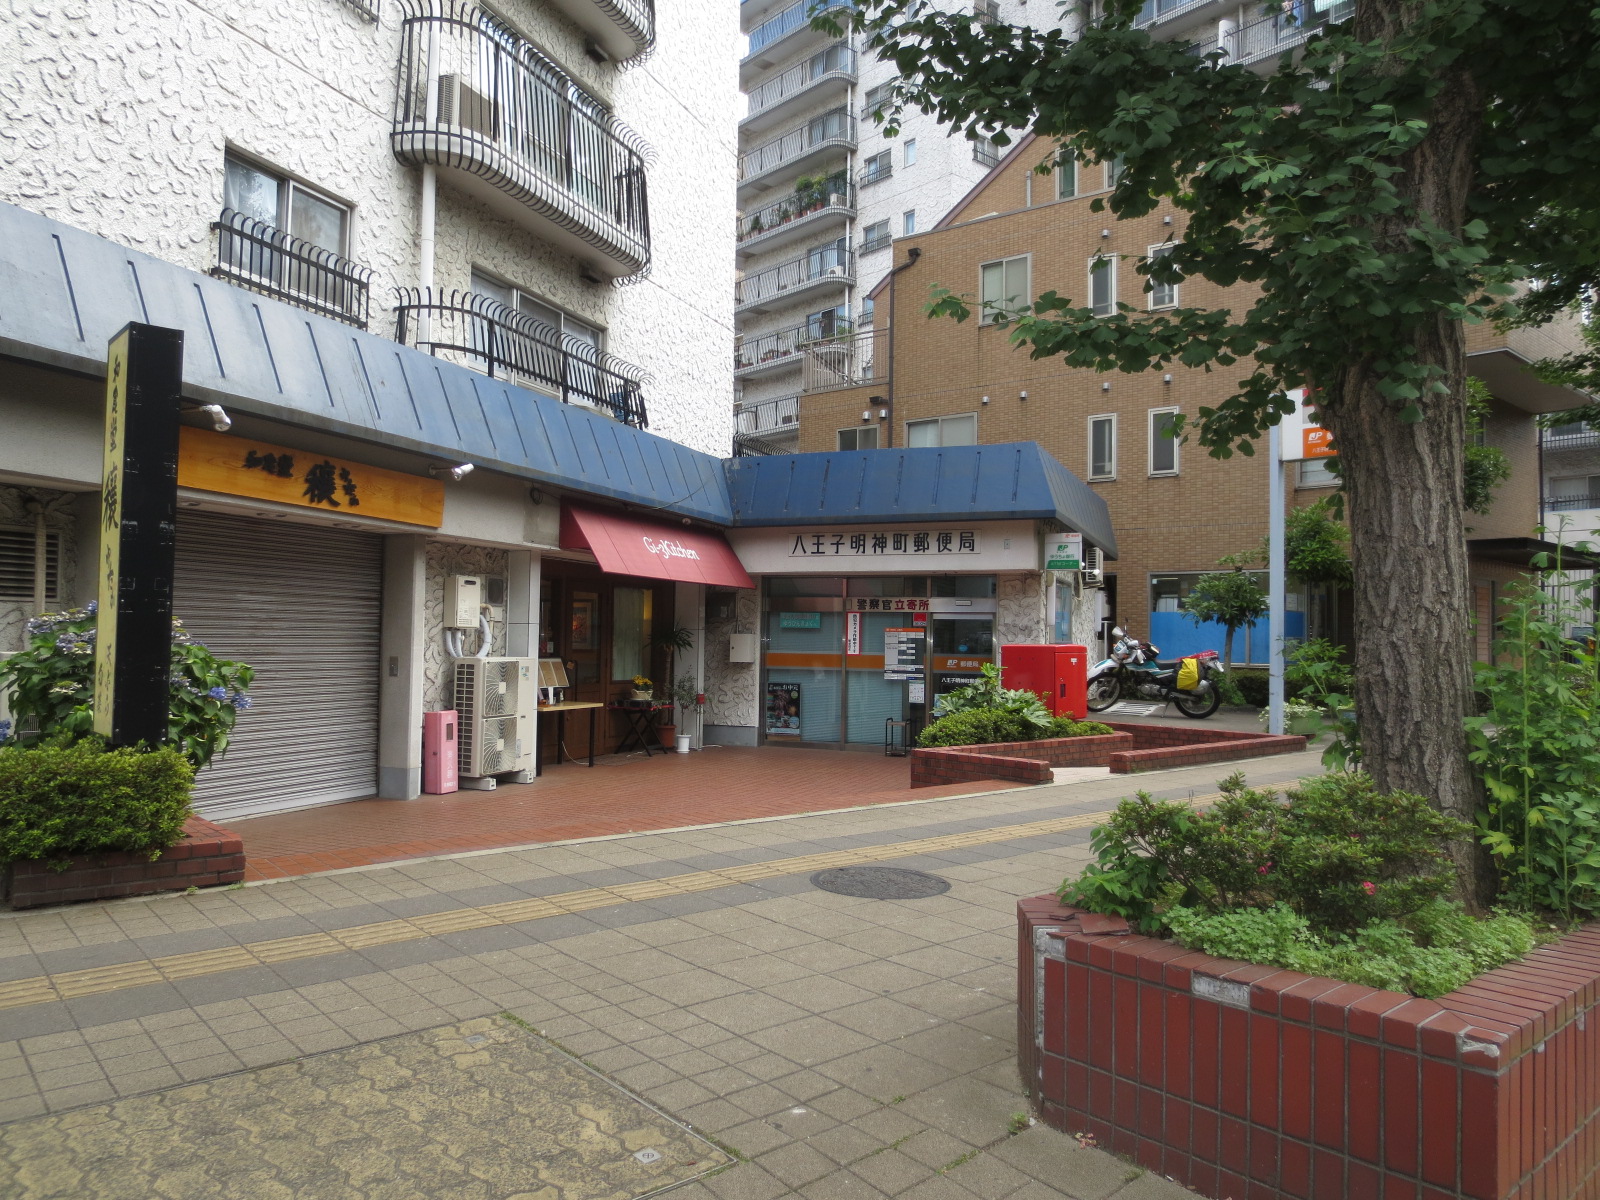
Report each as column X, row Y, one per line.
column 43, row 989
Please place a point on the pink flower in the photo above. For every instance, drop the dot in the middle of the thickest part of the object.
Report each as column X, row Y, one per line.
column 1370, row 888
column 1265, row 869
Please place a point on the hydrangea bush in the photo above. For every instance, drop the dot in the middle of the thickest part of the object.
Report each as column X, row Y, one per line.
column 50, row 687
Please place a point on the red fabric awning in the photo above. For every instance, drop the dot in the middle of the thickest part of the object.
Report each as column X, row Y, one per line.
column 630, row 546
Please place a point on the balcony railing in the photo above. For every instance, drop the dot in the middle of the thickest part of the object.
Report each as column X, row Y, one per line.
column 786, row 22
column 847, row 361
column 783, row 345
column 367, row 8
column 267, row 260
column 1273, row 35
column 1582, row 439
column 833, row 128
column 513, row 127
column 481, row 333
column 836, row 62
column 747, row 445
column 835, row 193
column 880, row 170
column 769, row 416
column 1571, row 503
column 820, row 266
column 1156, row 12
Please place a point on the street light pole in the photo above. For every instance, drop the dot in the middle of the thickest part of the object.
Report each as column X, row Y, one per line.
column 1276, row 582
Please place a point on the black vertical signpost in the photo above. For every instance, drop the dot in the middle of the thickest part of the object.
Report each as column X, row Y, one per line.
column 139, row 502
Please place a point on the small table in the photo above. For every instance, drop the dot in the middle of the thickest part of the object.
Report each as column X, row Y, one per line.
column 561, row 710
column 641, row 724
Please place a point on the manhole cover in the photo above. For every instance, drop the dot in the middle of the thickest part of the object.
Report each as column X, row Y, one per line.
column 880, row 883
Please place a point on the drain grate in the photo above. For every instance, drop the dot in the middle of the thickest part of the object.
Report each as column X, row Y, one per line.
column 880, row 883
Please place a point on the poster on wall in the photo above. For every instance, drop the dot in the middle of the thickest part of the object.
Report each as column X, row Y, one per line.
column 902, row 653
column 783, row 709
column 852, row 633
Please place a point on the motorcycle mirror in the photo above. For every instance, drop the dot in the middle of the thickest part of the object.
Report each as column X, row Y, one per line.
column 1116, row 631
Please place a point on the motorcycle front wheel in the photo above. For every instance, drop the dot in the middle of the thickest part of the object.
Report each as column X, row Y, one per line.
column 1103, row 693
column 1198, row 704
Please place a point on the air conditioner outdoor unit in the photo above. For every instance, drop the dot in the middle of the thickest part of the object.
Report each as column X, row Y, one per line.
column 1094, row 567
column 835, row 271
column 496, row 701
column 462, row 105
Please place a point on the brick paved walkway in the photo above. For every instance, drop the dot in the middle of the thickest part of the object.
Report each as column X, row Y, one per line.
column 619, row 795
column 845, row 1049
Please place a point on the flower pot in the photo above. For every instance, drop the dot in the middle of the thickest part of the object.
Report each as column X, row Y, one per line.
column 682, row 745
column 642, row 694
column 668, row 734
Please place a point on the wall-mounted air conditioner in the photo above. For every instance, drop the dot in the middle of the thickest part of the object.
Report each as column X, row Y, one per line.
column 496, row 700
column 1094, row 566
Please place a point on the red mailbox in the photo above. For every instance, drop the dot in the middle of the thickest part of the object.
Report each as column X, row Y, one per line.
column 1060, row 674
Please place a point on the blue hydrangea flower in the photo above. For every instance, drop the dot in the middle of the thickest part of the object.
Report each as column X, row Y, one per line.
column 92, row 607
column 241, row 701
column 5, row 730
column 218, row 693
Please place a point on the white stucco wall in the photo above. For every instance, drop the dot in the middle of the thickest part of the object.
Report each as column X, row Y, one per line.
column 119, row 112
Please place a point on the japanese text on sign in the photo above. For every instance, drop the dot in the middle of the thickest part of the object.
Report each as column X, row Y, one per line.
column 930, row 543
column 884, row 604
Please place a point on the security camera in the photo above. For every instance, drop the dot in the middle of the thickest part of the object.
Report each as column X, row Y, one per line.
column 220, row 420
column 458, row 472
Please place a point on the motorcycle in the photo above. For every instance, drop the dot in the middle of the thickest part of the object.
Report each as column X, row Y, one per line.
column 1133, row 670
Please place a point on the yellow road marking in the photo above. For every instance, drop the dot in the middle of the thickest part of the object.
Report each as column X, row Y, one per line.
column 68, row 985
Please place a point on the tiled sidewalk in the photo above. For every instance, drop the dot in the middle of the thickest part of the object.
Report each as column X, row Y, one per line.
column 619, row 795
column 846, row 1049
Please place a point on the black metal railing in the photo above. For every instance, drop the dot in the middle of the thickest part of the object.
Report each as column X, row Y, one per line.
column 491, row 105
column 1571, row 503
column 1578, row 439
column 785, row 344
column 636, row 18
column 879, row 169
column 786, row 22
column 768, row 416
column 265, row 259
column 748, row 445
column 486, row 335
column 811, row 196
column 367, row 8
column 820, row 266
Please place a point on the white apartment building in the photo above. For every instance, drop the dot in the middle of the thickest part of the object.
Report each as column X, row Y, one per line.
column 822, row 194
column 399, row 237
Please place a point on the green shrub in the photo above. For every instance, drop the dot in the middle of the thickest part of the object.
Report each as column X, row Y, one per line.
column 1335, row 851
column 61, row 799
column 985, row 726
column 1250, row 687
column 1434, row 950
column 986, row 693
column 51, row 687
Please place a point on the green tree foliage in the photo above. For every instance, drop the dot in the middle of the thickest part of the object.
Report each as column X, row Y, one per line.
column 1233, row 599
column 1372, row 194
column 1486, row 467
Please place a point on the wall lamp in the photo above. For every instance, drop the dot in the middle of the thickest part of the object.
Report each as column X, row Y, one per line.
column 458, row 472
column 220, row 420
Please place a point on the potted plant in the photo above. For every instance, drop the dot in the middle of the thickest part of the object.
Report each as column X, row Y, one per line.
column 1298, row 717
column 642, row 688
column 670, row 640
column 685, row 696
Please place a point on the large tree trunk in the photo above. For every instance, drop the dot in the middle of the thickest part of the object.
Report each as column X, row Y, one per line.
column 1404, row 484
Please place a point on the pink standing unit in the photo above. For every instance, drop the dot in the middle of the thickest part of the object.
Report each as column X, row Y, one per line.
column 440, row 765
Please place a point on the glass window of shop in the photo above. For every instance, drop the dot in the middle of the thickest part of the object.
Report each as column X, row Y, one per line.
column 825, row 677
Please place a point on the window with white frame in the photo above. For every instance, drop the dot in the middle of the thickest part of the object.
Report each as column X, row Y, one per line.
column 877, row 168
column 908, row 221
column 284, row 204
column 1002, row 287
column 910, row 156
column 985, row 152
column 1163, row 441
column 959, row 430
column 1317, row 473
column 1115, row 166
column 987, row 11
column 1162, row 295
column 868, row 306
column 875, row 98
column 521, row 302
column 861, row 437
column 1066, row 177
column 875, row 237
column 1103, row 446
column 1103, row 285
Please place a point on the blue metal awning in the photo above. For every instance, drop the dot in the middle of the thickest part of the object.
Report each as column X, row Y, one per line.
column 66, row 292
column 854, row 487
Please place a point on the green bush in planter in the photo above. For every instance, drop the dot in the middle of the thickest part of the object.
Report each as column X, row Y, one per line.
column 50, row 687
column 985, row 726
column 61, row 799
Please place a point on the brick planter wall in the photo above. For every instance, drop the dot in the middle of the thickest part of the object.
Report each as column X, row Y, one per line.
column 1131, row 748
column 208, row 854
column 1159, row 747
column 1253, row 1083
column 1015, row 762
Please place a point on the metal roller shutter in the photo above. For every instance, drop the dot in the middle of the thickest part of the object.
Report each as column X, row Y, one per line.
column 302, row 605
